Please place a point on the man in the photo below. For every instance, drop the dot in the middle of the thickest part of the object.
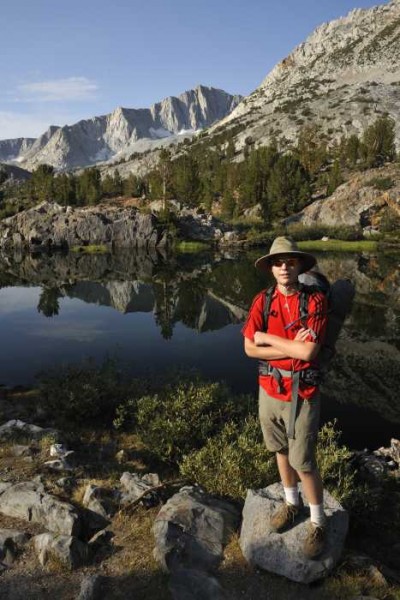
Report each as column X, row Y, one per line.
column 288, row 391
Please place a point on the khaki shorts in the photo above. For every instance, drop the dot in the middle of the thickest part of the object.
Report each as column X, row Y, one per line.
column 274, row 418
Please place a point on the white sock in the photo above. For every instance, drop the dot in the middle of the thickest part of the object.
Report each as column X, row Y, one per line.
column 318, row 516
column 292, row 495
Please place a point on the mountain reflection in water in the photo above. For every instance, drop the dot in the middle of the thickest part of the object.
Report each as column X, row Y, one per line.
column 154, row 312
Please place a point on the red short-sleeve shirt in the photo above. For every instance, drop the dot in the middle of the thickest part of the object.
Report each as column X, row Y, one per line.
column 284, row 310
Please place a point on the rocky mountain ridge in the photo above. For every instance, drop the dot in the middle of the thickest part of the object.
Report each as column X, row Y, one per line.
column 117, row 134
column 341, row 78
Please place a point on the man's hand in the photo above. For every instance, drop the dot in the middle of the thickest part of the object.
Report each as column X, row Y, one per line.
column 302, row 334
column 259, row 338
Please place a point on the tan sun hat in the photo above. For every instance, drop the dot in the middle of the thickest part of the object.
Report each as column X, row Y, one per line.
column 285, row 246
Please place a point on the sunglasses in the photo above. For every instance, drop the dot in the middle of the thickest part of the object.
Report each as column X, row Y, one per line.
column 289, row 262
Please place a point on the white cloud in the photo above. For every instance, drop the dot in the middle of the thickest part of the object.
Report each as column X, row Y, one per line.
column 70, row 88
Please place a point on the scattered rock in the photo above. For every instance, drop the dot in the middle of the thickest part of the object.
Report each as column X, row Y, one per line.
column 392, row 453
column 282, row 553
column 70, row 551
column 60, row 464
column 100, row 500
column 190, row 584
column 57, row 450
column 15, row 427
column 28, row 500
column 192, row 529
column 92, row 587
column 134, row 485
column 121, row 457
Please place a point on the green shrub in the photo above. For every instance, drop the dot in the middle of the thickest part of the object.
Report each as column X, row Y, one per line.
column 233, row 461
column 334, row 463
column 183, row 415
column 381, row 183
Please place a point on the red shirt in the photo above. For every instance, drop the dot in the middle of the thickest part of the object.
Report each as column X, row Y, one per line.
column 284, row 310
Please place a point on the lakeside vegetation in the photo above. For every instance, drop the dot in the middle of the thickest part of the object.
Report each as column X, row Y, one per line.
column 198, row 429
column 209, row 171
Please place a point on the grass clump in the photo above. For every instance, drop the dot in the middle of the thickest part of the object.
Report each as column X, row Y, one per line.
column 233, row 461
column 339, row 245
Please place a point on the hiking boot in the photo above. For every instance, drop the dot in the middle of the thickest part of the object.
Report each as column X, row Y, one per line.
column 285, row 516
column 314, row 543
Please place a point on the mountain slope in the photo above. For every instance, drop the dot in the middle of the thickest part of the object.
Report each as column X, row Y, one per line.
column 341, row 78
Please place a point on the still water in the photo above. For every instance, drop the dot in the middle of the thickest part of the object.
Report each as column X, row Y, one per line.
column 153, row 313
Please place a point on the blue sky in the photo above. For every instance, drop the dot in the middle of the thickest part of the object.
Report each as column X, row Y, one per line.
column 67, row 60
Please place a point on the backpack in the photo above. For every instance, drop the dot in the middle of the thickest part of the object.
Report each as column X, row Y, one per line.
column 340, row 297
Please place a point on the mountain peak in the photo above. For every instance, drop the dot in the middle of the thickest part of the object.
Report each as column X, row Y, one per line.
column 101, row 138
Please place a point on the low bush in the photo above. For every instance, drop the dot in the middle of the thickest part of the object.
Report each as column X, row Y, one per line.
column 232, row 461
column 183, row 415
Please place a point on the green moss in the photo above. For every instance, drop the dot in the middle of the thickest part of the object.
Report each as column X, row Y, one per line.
column 187, row 246
column 91, row 249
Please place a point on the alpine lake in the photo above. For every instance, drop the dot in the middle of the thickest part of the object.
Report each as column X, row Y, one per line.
column 153, row 313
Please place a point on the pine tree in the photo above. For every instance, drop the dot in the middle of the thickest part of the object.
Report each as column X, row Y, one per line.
column 335, row 177
column 378, row 144
column 311, row 151
column 288, row 187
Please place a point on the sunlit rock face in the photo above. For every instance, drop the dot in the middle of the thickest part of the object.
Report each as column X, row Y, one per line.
column 342, row 77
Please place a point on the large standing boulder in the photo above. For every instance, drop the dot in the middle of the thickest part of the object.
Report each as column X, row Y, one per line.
column 192, row 529
column 282, row 553
column 28, row 500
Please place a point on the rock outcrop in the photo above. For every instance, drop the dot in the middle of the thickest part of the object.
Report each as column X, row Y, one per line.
column 282, row 553
column 50, row 225
column 359, row 202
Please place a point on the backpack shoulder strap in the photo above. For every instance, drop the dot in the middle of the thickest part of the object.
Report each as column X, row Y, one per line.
column 305, row 293
column 267, row 305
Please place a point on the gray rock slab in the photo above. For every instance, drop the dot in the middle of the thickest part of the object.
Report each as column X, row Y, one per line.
column 190, row 584
column 28, row 500
column 192, row 529
column 133, row 485
column 67, row 549
column 282, row 553
column 15, row 427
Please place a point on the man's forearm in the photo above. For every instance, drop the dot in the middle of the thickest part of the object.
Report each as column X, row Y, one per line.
column 292, row 348
column 262, row 352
